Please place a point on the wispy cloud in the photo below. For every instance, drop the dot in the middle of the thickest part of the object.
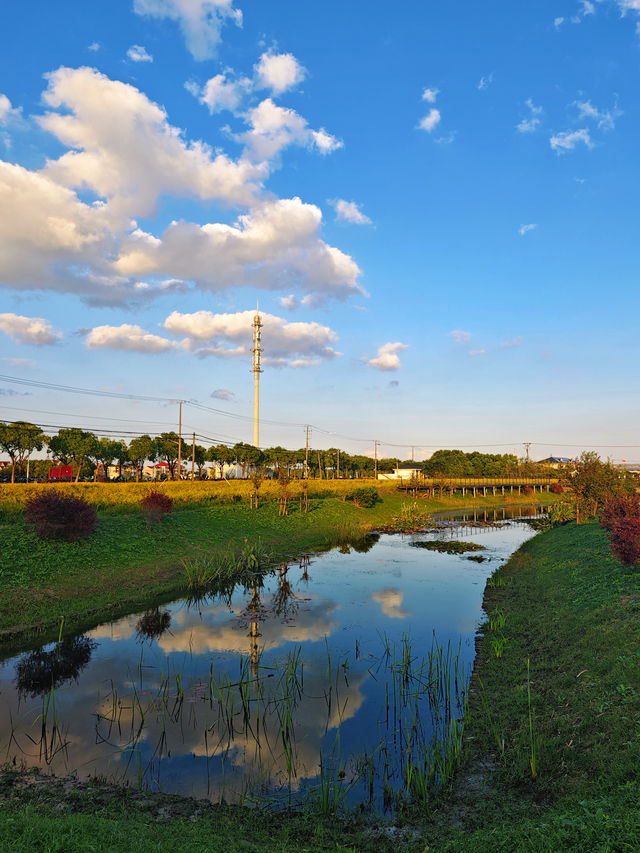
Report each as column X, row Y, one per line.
column 605, row 119
column 431, row 120
column 514, row 342
column 430, row 95
column 524, row 229
column 474, row 352
column 138, row 53
column 222, row 394
column 460, row 337
column 485, row 82
column 531, row 122
column 568, row 139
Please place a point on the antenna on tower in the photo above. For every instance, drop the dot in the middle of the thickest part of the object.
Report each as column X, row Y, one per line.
column 256, row 370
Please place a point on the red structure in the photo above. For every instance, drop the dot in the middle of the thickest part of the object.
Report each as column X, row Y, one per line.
column 61, row 474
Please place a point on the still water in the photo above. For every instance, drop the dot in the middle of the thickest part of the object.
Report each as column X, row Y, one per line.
column 340, row 677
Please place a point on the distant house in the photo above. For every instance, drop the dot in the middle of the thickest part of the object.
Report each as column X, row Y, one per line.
column 408, row 472
column 555, row 461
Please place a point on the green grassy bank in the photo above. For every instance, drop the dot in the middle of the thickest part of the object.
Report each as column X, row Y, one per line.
column 129, row 564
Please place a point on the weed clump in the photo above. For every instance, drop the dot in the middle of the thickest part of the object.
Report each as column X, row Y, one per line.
column 365, row 496
column 55, row 515
column 156, row 505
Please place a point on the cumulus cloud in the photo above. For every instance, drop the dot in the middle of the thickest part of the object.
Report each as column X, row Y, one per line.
column 200, row 20
column 220, row 92
column 275, row 246
column 137, row 53
column 273, row 128
column 531, row 122
column 127, row 337
column 230, row 335
column 430, row 121
column 125, row 150
column 279, row 72
column 29, row 330
column 388, row 358
column 348, row 211
column 430, row 95
column 390, row 601
column 568, row 139
column 523, row 229
column 459, row 336
column 7, row 112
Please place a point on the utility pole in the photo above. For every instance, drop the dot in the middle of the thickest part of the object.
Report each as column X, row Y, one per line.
column 375, row 459
column 527, row 445
column 180, row 442
column 338, row 463
column 413, row 455
column 306, row 455
column 193, row 457
column 256, row 370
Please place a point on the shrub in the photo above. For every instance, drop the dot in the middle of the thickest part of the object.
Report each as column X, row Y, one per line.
column 625, row 540
column 556, row 488
column 618, row 507
column 55, row 515
column 527, row 490
column 156, row 505
column 366, row 496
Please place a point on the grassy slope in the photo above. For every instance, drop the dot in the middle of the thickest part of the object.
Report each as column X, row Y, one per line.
column 126, row 565
column 574, row 612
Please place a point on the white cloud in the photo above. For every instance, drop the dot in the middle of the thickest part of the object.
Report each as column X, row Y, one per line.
column 275, row 246
column 199, row 20
column 568, row 139
column 274, row 128
column 29, row 330
column 349, row 212
column 524, row 229
column 558, row 22
column 127, row 337
column 387, row 358
column 94, row 46
column 430, row 95
column 460, row 337
column 137, row 53
column 605, row 119
column 390, row 601
column 219, row 93
column 279, row 72
column 485, row 81
column 588, row 8
column 532, row 122
column 514, row 342
column 474, row 352
column 7, row 112
column 125, row 150
column 285, row 343
column 430, row 121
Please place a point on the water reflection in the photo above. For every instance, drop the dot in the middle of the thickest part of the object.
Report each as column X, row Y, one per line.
column 317, row 679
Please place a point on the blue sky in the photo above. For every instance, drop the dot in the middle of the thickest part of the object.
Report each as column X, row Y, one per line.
column 436, row 205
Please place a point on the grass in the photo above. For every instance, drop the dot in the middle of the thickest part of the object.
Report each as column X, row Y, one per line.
column 128, row 564
column 448, row 546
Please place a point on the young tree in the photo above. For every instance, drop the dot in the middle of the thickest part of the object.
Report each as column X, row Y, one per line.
column 200, row 458
column 593, row 482
column 19, row 439
column 141, row 449
column 73, row 445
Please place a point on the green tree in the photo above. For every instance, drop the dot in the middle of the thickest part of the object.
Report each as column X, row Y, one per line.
column 73, row 445
column 199, row 456
column 592, row 482
column 220, row 455
column 104, row 453
column 247, row 455
column 166, row 449
column 141, row 449
column 19, row 439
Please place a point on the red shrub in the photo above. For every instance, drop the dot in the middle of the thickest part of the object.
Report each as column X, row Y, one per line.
column 625, row 540
column 55, row 515
column 156, row 504
column 556, row 488
column 527, row 490
column 619, row 507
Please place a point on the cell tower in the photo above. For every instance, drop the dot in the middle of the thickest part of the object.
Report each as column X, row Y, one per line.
column 256, row 370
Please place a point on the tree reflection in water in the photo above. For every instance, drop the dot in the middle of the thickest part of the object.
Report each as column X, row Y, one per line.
column 41, row 671
column 153, row 624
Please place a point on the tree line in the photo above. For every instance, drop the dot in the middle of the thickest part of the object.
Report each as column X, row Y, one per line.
column 84, row 451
